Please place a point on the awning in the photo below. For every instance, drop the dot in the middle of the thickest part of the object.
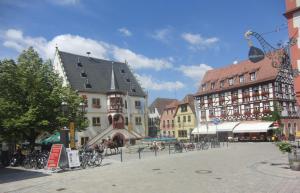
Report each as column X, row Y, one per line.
column 205, row 130
column 212, row 128
column 55, row 138
column 253, row 127
column 226, row 126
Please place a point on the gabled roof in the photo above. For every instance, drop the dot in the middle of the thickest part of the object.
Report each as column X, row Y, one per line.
column 99, row 75
column 161, row 103
column 264, row 72
column 189, row 100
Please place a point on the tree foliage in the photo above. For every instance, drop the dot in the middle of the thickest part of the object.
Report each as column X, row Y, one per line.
column 31, row 95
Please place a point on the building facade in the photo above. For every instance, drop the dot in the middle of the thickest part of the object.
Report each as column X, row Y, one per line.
column 115, row 103
column 246, row 93
column 155, row 111
column 167, row 120
column 293, row 18
column 185, row 120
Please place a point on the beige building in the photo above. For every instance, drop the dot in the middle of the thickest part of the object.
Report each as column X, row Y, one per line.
column 185, row 119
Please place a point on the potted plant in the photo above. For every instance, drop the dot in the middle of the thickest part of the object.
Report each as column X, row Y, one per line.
column 293, row 154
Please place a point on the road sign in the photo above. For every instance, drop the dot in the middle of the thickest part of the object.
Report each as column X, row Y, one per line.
column 216, row 121
column 54, row 156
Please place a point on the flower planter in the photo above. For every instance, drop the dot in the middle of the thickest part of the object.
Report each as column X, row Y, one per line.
column 294, row 160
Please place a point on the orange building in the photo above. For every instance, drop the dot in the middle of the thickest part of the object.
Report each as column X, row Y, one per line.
column 293, row 17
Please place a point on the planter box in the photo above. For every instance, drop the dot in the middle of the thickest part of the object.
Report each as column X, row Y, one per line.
column 294, row 160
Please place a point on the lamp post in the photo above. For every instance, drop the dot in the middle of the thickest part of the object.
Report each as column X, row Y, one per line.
column 64, row 131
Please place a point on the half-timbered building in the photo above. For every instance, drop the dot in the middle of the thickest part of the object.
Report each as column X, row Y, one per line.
column 240, row 95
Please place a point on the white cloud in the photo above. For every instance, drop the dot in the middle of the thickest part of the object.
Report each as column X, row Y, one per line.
column 65, row 2
column 124, row 31
column 80, row 45
column 195, row 72
column 197, row 41
column 148, row 83
column 138, row 61
column 162, row 35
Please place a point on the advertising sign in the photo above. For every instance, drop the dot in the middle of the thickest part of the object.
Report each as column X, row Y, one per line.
column 54, row 156
column 73, row 158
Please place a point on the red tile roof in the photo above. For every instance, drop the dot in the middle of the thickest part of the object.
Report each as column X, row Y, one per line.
column 264, row 72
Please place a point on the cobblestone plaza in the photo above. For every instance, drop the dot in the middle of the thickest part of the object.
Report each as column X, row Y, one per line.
column 242, row 167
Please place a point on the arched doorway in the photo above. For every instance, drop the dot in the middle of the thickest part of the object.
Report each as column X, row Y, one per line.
column 119, row 139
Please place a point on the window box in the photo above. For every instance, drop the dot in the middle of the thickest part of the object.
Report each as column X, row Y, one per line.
column 96, row 106
column 265, row 93
column 247, row 113
column 266, row 111
column 256, row 112
column 223, row 116
column 255, row 94
column 236, row 114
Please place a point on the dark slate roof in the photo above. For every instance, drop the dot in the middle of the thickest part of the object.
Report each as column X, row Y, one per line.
column 99, row 73
column 160, row 104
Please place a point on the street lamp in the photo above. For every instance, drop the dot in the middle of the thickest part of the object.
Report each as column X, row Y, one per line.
column 64, row 131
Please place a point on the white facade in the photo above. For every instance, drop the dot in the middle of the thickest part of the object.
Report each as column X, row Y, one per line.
column 134, row 109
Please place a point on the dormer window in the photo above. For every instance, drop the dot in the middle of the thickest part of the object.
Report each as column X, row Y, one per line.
column 133, row 90
column 83, row 74
column 87, row 84
column 212, row 85
column 203, row 87
column 253, row 76
column 128, row 80
column 79, row 63
column 123, row 71
column 230, row 81
column 242, row 79
column 222, row 84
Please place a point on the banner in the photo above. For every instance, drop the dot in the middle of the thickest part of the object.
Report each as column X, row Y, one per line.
column 73, row 158
column 72, row 135
column 54, row 156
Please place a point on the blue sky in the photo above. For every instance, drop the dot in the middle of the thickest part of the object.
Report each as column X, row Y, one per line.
column 169, row 44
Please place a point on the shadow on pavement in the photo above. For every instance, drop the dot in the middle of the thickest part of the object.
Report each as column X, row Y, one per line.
column 17, row 174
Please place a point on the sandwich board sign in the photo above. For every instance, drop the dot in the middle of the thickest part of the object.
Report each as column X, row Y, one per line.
column 54, row 157
column 73, row 158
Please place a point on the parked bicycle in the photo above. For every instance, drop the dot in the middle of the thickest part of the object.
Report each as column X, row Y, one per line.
column 91, row 157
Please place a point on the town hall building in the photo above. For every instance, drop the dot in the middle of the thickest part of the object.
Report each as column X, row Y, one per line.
column 115, row 103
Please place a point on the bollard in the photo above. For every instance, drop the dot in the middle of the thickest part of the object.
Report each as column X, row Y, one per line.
column 169, row 149
column 298, row 143
column 139, row 153
column 121, row 154
column 227, row 143
column 155, row 151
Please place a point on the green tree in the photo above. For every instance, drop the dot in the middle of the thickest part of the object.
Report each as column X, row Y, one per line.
column 31, row 95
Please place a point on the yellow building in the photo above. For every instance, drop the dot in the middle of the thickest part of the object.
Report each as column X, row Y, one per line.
column 185, row 118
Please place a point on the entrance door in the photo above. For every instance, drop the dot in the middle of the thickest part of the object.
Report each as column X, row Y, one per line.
column 119, row 139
